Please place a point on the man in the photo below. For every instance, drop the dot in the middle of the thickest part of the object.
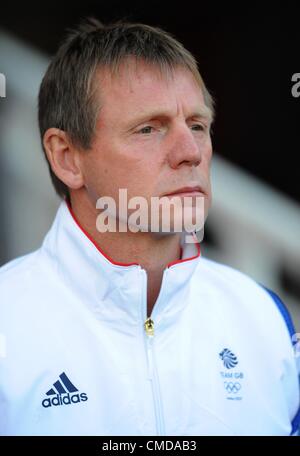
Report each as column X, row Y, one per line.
column 127, row 331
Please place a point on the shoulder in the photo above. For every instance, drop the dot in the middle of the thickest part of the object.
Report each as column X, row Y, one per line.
column 261, row 318
column 245, row 296
column 23, row 281
column 225, row 277
column 224, row 273
column 18, row 269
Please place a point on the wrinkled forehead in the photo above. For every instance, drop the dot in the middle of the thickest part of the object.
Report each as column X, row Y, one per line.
column 141, row 83
column 133, row 67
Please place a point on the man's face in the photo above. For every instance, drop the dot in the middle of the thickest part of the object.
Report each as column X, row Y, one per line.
column 152, row 136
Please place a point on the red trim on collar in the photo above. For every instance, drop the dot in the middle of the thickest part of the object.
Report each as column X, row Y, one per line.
column 186, row 259
column 116, row 262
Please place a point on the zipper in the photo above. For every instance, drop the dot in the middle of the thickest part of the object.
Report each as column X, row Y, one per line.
column 149, row 334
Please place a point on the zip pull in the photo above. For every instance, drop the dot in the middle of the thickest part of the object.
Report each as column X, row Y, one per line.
column 149, row 327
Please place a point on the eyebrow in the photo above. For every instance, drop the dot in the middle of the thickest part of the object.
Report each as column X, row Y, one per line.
column 203, row 112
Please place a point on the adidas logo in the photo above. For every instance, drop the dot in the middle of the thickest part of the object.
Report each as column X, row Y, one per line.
column 63, row 393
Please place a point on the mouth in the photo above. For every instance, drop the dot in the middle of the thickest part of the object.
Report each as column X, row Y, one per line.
column 187, row 191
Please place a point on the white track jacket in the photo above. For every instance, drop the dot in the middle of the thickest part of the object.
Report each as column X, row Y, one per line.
column 77, row 356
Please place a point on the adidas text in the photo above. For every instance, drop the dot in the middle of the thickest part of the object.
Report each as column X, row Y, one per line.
column 64, row 399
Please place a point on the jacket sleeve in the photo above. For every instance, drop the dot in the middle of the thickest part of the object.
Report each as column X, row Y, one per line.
column 295, row 341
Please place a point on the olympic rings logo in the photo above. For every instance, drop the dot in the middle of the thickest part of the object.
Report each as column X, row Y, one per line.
column 232, row 387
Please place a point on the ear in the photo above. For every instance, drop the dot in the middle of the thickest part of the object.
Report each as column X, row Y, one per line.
column 63, row 158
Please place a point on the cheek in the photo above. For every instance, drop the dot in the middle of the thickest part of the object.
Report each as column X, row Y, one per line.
column 138, row 181
column 109, row 168
column 206, row 158
column 97, row 175
column 208, row 149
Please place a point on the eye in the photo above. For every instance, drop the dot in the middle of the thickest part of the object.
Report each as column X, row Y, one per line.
column 145, row 130
column 198, row 127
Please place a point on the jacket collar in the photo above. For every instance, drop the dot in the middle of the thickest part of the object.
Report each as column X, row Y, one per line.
column 115, row 292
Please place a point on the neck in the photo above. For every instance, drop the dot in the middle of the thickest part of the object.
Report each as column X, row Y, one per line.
column 151, row 250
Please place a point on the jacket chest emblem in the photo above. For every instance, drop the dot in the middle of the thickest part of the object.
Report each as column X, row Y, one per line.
column 63, row 392
column 232, row 377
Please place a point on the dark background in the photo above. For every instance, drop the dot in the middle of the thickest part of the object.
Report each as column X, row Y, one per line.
column 247, row 57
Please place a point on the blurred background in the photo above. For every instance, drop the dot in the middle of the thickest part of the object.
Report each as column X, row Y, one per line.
column 247, row 60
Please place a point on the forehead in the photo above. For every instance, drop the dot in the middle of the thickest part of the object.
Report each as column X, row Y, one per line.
column 138, row 87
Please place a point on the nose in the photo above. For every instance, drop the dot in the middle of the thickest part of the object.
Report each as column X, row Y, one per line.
column 184, row 149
